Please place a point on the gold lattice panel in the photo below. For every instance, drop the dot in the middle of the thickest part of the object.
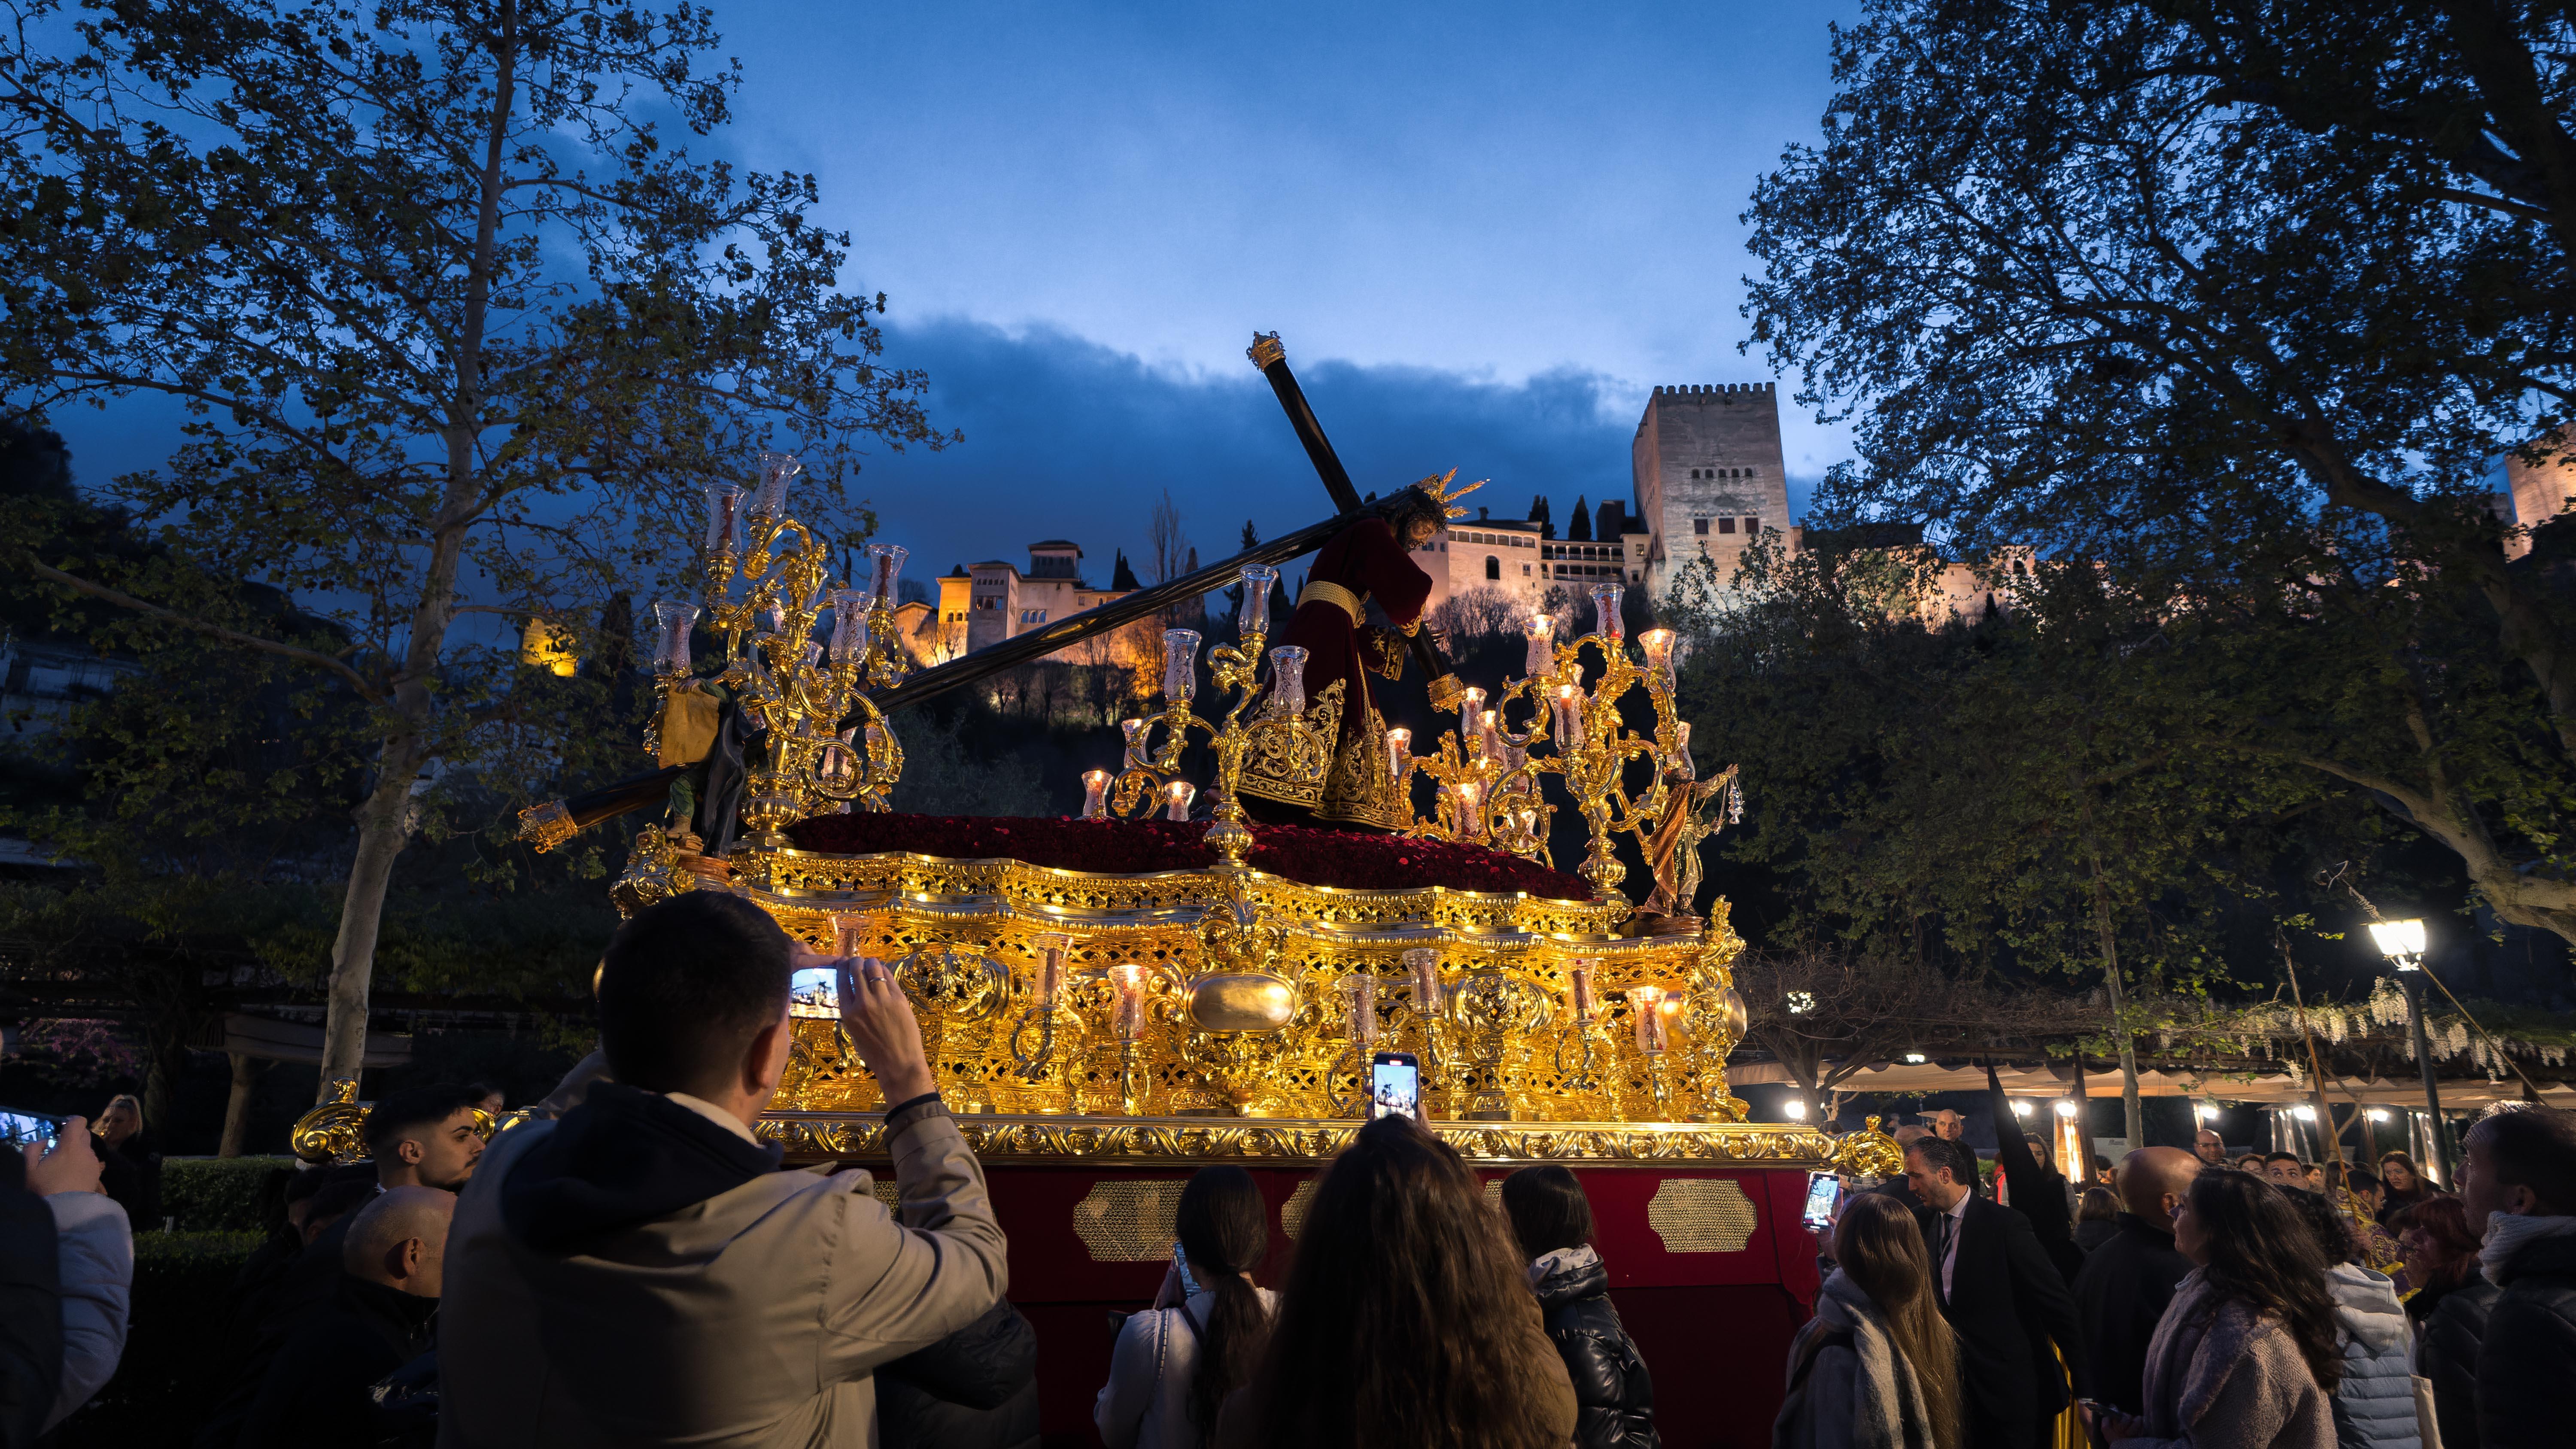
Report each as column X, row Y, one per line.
column 1129, row 1221
column 1702, row 1215
column 1292, row 1213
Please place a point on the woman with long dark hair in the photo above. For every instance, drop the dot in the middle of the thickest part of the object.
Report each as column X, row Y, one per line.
column 2450, row 1305
column 1175, row 1364
column 1553, row 1221
column 1406, row 1321
column 2247, row 1356
column 1877, row 1365
column 2401, row 1185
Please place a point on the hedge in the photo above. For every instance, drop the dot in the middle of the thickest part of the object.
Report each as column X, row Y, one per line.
column 169, row 1377
column 215, row 1194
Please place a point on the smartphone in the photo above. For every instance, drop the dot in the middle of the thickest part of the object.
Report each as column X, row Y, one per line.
column 20, row 1128
column 1395, row 1085
column 1824, row 1194
column 1181, row 1265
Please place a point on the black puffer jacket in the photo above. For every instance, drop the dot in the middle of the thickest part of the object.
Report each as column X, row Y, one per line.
column 2451, row 1324
column 2528, row 1356
column 975, row 1389
column 1613, row 1394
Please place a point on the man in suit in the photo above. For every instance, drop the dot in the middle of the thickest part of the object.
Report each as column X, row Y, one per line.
column 2005, row 1302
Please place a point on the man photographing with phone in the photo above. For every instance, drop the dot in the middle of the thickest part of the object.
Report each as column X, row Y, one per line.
column 642, row 1272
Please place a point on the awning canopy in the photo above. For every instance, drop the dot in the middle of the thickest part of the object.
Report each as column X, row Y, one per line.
column 2268, row 1090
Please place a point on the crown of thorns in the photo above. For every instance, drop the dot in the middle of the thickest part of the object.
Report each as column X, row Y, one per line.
column 1442, row 495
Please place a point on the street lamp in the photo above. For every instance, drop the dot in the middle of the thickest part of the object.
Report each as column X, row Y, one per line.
column 2402, row 942
column 1794, row 1109
column 2021, row 1107
column 1914, row 1059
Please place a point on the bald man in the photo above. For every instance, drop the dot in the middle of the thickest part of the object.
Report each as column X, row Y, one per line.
column 316, row 1389
column 2129, row 1279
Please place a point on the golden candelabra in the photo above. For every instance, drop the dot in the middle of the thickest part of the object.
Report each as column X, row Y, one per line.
column 788, row 684
column 1281, row 729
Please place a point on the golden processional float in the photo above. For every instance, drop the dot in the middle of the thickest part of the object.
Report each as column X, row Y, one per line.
column 1221, row 1012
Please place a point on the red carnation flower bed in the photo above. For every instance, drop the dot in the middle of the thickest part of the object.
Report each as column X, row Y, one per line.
column 1353, row 860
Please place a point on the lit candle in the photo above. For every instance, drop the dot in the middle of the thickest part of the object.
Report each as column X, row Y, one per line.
column 1180, row 795
column 1471, row 818
column 1605, row 608
column 671, row 645
column 1471, row 709
column 724, row 503
column 1658, row 644
column 1359, row 1010
column 886, row 562
column 1567, row 703
column 1180, row 664
column 1288, row 680
column 1253, row 615
column 1399, row 755
column 1095, row 794
column 1646, row 1017
column 1127, row 1015
column 1423, row 964
column 1578, row 980
column 1540, row 631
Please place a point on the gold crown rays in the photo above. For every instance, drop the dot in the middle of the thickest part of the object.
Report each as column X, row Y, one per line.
column 1443, row 495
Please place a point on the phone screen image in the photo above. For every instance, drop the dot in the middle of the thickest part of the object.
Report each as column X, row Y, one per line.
column 1395, row 1086
column 1824, row 1194
column 21, row 1128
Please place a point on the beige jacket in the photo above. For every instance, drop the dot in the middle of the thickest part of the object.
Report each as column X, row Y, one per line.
column 754, row 1318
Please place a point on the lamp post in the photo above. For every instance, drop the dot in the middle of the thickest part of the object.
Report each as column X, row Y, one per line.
column 2402, row 942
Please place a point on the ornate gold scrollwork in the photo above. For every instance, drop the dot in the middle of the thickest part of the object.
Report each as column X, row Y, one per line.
column 330, row 1133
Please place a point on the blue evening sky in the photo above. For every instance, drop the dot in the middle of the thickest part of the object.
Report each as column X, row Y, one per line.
column 1483, row 230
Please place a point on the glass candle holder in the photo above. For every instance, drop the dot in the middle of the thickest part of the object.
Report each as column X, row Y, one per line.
column 1646, row 1018
column 885, row 566
column 769, row 498
column 1127, row 1011
column 1399, row 755
column 1468, row 796
column 1252, row 616
column 1288, row 679
column 1605, row 610
column 849, row 625
column 1489, row 736
column 1422, row 968
column 1052, row 946
column 1540, row 631
column 1178, row 799
column 1680, row 760
column 1134, row 730
column 1579, row 989
column 724, row 518
column 1095, row 794
column 1566, row 705
column 1180, row 664
column 1359, row 1010
column 1658, row 644
column 1471, row 713
column 875, row 738
column 672, row 621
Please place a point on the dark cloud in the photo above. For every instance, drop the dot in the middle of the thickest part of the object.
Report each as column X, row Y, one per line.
column 1069, row 439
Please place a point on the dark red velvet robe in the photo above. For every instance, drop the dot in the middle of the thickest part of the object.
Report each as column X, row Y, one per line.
column 1366, row 559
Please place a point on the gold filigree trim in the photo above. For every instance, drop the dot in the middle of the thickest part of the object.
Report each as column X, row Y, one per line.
column 1129, row 1221
column 810, row 1135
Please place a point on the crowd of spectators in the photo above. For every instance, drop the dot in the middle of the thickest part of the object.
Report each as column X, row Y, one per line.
column 632, row 1266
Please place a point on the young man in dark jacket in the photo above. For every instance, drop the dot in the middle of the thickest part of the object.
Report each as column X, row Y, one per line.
column 1613, row 1393
column 2519, row 1187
